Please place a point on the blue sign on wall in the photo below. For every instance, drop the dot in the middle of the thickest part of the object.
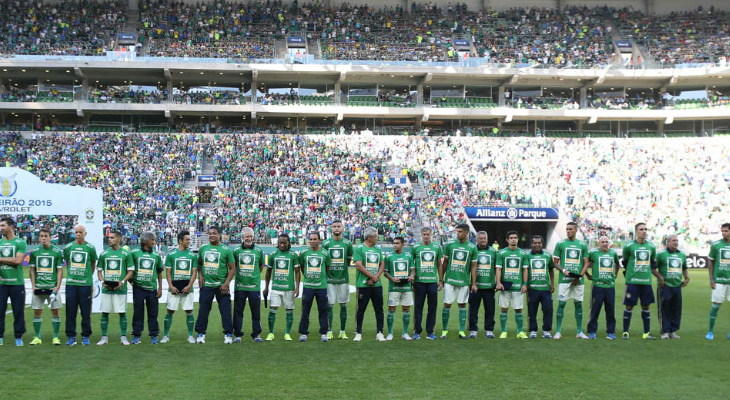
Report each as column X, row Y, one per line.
column 511, row 214
column 206, row 178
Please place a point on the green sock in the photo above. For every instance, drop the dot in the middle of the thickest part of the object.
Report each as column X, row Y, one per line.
column 406, row 321
column 391, row 318
column 518, row 321
column 462, row 319
column 123, row 323
column 272, row 319
column 191, row 323
column 503, row 320
column 37, row 326
column 343, row 316
column 330, row 315
column 579, row 315
column 445, row 317
column 56, row 324
column 104, row 323
column 559, row 316
column 289, row 320
column 168, row 324
column 713, row 315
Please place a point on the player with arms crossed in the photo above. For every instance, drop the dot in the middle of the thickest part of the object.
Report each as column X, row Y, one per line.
column 338, row 277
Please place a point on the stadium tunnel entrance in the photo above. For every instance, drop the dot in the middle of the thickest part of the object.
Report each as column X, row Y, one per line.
column 497, row 221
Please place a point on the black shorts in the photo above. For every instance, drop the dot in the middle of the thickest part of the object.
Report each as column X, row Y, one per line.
column 634, row 293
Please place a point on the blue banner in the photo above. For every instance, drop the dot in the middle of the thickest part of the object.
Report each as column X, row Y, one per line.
column 295, row 40
column 461, row 43
column 511, row 213
column 127, row 38
column 206, row 178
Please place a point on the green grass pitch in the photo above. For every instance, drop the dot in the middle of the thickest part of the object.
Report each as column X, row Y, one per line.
column 570, row 368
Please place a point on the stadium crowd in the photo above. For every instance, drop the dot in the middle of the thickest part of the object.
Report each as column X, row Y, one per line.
column 74, row 27
column 575, row 37
column 298, row 184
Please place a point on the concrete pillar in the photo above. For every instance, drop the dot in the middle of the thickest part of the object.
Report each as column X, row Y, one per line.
column 660, row 127
column 254, row 88
column 419, row 95
column 338, row 91
column 85, row 89
column 501, row 99
column 169, row 91
column 583, row 97
column 581, row 126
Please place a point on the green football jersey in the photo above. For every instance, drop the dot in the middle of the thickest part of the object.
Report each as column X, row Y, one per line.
column 641, row 258
column 458, row 268
column 670, row 266
column 146, row 266
column 46, row 263
column 427, row 258
column 486, row 259
column 314, row 264
column 181, row 264
column 79, row 261
column 114, row 266
column 399, row 267
column 572, row 255
column 248, row 268
column 370, row 258
column 283, row 264
column 12, row 275
column 538, row 269
column 720, row 256
column 215, row 260
column 602, row 267
column 341, row 257
column 509, row 265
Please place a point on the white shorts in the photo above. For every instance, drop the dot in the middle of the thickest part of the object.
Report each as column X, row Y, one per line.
column 338, row 293
column 113, row 303
column 452, row 293
column 276, row 297
column 514, row 299
column 720, row 293
column 38, row 301
column 174, row 301
column 566, row 292
column 400, row 299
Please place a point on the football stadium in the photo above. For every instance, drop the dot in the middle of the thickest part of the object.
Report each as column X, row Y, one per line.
column 464, row 189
